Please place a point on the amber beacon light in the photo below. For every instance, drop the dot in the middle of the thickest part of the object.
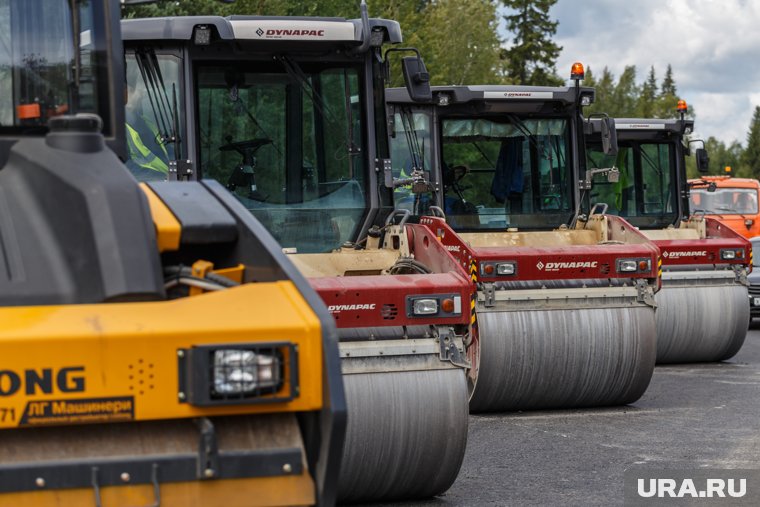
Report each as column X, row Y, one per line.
column 577, row 72
column 682, row 107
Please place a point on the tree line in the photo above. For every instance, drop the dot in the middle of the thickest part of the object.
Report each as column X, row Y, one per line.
column 461, row 44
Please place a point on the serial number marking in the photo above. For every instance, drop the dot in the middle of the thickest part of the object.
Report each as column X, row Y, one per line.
column 7, row 414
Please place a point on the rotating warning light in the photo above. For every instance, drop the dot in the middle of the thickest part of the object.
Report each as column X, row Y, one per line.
column 682, row 107
column 727, row 169
column 577, row 72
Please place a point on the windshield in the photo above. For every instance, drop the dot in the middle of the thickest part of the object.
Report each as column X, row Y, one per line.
column 645, row 193
column 287, row 140
column 725, row 201
column 48, row 64
column 149, row 114
column 410, row 149
column 507, row 172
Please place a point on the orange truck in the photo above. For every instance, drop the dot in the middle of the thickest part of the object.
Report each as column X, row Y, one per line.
column 733, row 201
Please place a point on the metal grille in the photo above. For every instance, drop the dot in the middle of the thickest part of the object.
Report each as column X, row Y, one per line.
column 754, row 290
column 389, row 312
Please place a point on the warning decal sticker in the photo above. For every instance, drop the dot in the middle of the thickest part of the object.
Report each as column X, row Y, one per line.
column 79, row 411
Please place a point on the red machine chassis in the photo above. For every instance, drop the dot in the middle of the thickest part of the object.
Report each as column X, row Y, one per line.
column 551, row 263
column 381, row 300
column 684, row 252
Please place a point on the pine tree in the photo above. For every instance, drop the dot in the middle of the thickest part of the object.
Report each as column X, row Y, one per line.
column 533, row 56
column 589, row 79
column 751, row 156
column 665, row 105
column 645, row 106
column 459, row 60
column 668, row 83
column 625, row 95
column 605, row 88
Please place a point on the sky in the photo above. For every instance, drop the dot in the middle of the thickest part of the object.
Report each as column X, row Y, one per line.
column 713, row 46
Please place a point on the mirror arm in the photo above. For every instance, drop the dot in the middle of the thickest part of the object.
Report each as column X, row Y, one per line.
column 613, row 176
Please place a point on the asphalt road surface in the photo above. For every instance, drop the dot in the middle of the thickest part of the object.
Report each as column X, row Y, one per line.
column 703, row 416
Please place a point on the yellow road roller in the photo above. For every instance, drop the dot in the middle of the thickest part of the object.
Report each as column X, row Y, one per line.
column 156, row 346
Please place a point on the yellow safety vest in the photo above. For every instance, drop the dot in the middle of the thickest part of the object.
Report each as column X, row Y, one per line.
column 142, row 155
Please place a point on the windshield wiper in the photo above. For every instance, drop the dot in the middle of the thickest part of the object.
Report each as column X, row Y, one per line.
column 164, row 110
column 524, row 130
column 483, row 154
column 295, row 72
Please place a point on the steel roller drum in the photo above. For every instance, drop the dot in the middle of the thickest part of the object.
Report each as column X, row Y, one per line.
column 406, row 435
column 564, row 358
column 700, row 320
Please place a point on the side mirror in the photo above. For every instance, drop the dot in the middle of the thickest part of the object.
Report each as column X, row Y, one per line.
column 416, row 78
column 703, row 161
column 609, row 137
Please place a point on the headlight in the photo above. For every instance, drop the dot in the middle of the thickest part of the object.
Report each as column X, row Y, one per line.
column 498, row 268
column 729, row 254
column 633, row 265
column 427, row 305
column 242, row 373
column 628, row 266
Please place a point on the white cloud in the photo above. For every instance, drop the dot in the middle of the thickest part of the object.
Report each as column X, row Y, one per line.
column 712, row 46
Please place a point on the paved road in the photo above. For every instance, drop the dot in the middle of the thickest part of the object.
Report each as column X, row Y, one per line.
column 692, row 416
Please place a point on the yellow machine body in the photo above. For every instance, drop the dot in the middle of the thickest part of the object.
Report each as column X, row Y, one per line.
column 92, row 383
column 119, row 362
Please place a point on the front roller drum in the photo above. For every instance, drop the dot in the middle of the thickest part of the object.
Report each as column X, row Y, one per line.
column 698, row 322
column 564, row 358
column 407, row 430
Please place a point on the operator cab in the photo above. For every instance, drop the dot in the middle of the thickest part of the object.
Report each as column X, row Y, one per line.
column 289, row 128
column 650, row 163
column 506, row 154
column 63, row 70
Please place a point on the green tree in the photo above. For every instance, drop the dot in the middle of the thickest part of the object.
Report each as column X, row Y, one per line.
column 645, row 105
column 473, row 59
column 532, row 57
column 205, row 8
column 625, row 95
column 721, row 156
column 751, row 155
column 589, row 79
column 665, row 105
column 605, row 87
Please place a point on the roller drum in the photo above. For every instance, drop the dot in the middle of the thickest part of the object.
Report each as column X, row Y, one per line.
column 701, row 322
column 564, row 358
column 406, row 435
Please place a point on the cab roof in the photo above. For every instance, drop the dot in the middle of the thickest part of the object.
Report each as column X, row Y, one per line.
column 502, row 93
column 261, row 28
column 642, row 126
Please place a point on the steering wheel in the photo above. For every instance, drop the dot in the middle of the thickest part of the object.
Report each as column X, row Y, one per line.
column 243, row 146
column 244, row 174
